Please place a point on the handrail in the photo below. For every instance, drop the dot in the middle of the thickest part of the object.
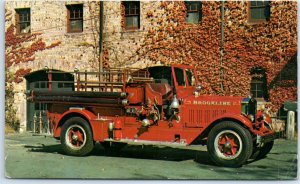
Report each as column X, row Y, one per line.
column 113, row 79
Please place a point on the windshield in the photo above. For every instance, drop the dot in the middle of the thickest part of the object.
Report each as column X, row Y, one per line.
column 180, row 77
column 190, row 77
column 163, row 74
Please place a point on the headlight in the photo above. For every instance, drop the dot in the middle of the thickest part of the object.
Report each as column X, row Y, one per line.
column 251, row 117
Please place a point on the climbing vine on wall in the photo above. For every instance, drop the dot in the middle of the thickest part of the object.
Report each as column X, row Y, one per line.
column 19, row 49
column 269, row 45
column 172, row 40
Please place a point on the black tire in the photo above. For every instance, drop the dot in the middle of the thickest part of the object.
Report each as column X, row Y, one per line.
column 229, row 144
column 76, row 137
column 260, row 153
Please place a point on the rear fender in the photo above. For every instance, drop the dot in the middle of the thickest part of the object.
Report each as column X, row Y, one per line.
column 83, row 113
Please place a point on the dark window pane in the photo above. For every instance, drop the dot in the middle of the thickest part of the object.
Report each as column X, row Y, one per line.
column 131, row 8
column 259, row 94
column 260, row 10
column 131, row 11
column 76, row 25
column 258, row 85
column 76, row 13
column 267, row 3
column 194, row 12
column 194, row 7
column 260, row 3
column 129, row 21
column 132, row 14
column 24, row 28
column 190, row 77
column 255, row 13
column 75, row 21
column 43, row 85
column 193, row 18
column 23, row 20
column 253, row 3
column 132, row 22
column 267, row 12
column 179, row 76
column 36, row 106
column 36, row 85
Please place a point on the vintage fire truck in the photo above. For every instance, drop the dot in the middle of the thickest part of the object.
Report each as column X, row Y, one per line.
column 157, row 105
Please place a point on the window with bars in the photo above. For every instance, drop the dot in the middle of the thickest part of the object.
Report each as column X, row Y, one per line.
column 132, row 14
column 23, row 20
column 259, row 10
column 75, row 18
column 194, row 12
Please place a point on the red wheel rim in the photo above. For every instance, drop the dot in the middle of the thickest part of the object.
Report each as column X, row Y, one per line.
column 75, row 137
column 228, row 144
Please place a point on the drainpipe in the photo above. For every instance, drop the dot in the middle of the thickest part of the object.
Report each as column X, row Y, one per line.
column 101, row 41
column 222, row 45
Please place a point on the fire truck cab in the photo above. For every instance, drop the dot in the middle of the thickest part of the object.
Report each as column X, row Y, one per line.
column 158, row 105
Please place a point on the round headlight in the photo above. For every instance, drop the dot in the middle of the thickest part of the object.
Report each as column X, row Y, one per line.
column 251, row 117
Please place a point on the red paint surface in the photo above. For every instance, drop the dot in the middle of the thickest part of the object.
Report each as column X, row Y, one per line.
column 194, row 115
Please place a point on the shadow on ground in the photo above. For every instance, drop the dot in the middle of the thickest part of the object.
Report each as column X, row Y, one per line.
column 138, row 152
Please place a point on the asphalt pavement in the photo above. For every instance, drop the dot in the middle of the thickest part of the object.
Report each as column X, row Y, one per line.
column 36, row 156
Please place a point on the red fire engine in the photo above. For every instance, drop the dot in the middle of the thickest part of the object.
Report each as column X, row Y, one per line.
column 158, row 105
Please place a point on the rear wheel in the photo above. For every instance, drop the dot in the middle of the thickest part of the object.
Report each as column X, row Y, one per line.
column 76, row 137
column 229, row 144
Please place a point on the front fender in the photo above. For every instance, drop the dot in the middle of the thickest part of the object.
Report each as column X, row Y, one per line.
column 237, row 117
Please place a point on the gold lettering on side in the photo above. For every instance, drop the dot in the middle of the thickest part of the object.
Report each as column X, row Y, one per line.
column 195, row 102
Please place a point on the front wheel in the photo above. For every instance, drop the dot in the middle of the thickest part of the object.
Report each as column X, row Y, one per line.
column 261, row 152
column 229, row 144
column 76, row 137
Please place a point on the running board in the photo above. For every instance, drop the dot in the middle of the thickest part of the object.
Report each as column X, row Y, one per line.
column 144, row 142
